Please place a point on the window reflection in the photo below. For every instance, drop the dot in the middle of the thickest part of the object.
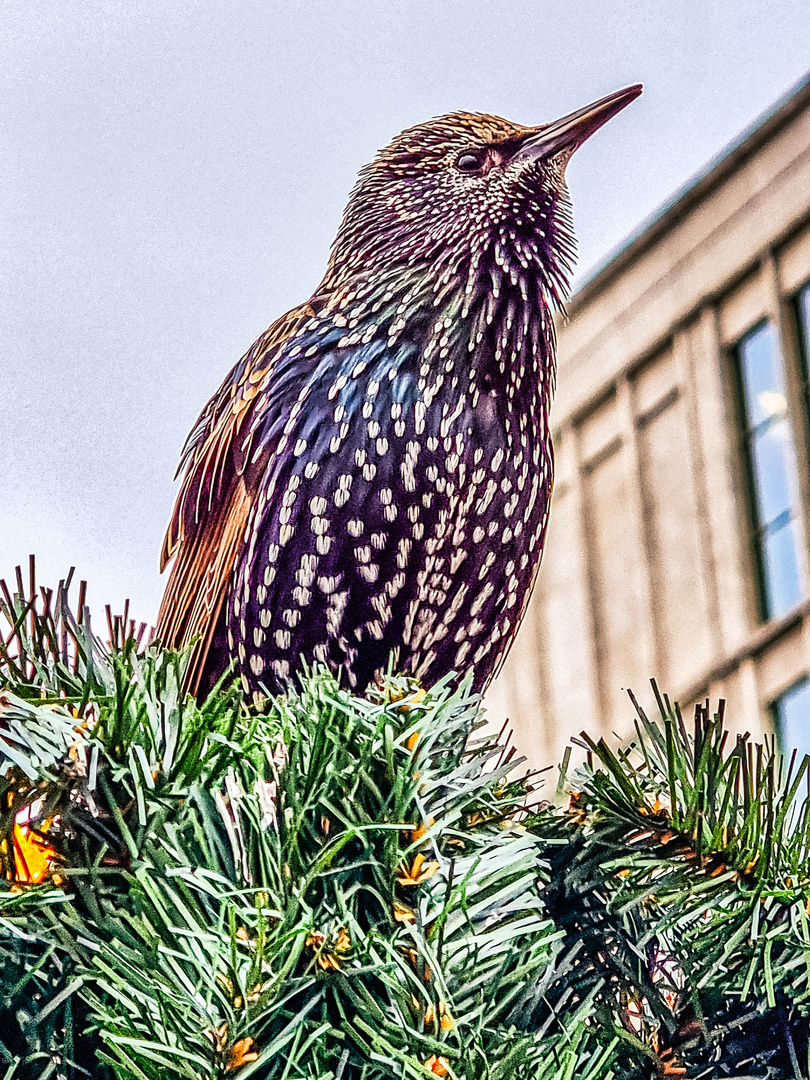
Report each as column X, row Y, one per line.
column 772, row 460
column 772, row 403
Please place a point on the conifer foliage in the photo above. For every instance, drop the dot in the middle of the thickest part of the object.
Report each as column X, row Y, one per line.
column 335, row 887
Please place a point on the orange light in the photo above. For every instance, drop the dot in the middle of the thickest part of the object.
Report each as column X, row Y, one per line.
column 32, row 856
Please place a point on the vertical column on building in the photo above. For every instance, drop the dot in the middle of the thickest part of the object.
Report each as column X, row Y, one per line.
column 632, row 543
column 731, row 590
column 590, row 637
column 628, row 430
column 529, row 696
column 687, row 382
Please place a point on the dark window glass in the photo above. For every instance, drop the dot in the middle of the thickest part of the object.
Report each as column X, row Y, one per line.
column 774, row 480
column 791, row 718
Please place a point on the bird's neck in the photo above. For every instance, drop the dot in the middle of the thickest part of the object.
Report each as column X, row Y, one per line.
column 484, row 326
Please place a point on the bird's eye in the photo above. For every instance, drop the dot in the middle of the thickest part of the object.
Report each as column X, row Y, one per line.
column 471, row 161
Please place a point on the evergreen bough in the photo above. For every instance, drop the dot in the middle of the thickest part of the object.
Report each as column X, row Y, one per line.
column 336, row 887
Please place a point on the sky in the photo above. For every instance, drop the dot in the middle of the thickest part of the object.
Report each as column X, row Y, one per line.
column 172, row 176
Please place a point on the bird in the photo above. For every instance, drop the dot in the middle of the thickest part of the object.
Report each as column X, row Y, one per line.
column 369, row 488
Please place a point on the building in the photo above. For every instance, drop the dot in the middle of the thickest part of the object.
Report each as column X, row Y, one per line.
column 679, row 541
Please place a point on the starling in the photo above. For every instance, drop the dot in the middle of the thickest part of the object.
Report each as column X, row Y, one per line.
column 370, row 484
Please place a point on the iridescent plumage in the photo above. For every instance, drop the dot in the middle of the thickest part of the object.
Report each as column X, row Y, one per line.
column 370, row 485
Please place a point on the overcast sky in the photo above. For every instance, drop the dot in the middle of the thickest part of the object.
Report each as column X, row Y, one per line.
column 172, row 175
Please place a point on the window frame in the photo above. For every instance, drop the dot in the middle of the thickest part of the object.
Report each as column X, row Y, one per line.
column 801, row 334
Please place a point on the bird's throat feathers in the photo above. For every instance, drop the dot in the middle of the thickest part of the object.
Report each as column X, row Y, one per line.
column 484, row 319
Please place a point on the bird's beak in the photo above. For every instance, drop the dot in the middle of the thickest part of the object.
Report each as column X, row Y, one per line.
column 571, row 131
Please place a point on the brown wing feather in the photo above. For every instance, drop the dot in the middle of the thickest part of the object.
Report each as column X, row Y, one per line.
column 198, row 583
column 212, row 507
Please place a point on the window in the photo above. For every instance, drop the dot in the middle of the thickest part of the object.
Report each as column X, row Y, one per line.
column 790, row 713
column 772, row 472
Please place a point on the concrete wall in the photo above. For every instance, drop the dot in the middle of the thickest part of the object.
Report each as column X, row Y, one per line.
column 649, row 567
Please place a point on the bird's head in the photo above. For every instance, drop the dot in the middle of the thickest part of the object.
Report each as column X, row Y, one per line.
column 463, row 193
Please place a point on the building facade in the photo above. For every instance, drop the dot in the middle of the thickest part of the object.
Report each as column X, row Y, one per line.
column 679, row 539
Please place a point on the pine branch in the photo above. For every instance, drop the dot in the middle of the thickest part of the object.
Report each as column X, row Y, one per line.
column 335, row 886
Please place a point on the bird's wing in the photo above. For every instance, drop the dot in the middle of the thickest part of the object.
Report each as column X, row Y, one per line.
column 222, row 470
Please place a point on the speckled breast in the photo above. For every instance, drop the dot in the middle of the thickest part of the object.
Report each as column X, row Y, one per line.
column 399, row 522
